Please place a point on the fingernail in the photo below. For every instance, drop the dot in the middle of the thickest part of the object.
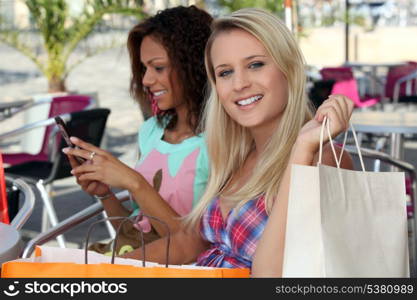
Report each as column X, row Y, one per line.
column 72, row 172
column 65, row 150
column 73, row 139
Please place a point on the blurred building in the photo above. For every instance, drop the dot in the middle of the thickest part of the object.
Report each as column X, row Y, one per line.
column 152, row 6
column 311, row 13
column 371, row 13
column 14, row 13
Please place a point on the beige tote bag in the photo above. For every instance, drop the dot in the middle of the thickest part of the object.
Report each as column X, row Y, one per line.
column 344, row 223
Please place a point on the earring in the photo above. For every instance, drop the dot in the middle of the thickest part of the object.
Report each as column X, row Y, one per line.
column 154, row 105
column 155, row 108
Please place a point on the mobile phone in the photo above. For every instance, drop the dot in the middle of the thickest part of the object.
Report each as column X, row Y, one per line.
column 65, row 134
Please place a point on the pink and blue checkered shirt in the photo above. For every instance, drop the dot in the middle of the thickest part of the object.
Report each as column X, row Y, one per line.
column 233, row 240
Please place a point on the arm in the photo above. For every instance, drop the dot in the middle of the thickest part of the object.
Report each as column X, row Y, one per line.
column 185, row 246
column 107, row 169
column 269, row 254
column 111, row 204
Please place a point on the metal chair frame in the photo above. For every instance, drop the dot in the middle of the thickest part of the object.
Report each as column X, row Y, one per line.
column 69, row 223
column 29, row 201
column 44, row 186
column 408, row 80
column 33, row 103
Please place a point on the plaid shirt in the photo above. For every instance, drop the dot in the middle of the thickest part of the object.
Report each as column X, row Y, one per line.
column 233, row 241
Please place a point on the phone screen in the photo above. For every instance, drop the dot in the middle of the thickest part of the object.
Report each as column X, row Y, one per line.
column 65, row 134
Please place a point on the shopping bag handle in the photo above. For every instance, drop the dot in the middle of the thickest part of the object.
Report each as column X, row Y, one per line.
column 326, row 123
column 133, row 220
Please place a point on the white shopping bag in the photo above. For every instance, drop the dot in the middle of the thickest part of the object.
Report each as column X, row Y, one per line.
column 344, row 223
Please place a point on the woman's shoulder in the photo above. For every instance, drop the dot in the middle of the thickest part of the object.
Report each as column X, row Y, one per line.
column 149, row 127
column 149, row 124
column 149, row 132
column 202, row 142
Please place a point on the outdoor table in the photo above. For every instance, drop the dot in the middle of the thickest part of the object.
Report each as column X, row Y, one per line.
column 373, row 71
column 395, row 123
column 7, row 108
column 11, row 243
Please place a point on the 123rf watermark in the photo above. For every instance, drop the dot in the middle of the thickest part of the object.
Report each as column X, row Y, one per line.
column 72, row 289
column 347, row 289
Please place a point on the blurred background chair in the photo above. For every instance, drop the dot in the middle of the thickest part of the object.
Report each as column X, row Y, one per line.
column 399, row 82
column 336, row 73
column 35, row 133
column 69, row 223
column 11, row 245
column 349, row 88
column 410, row 183
column 346, row 84
column 409, row 82
column 88, row 125
column 400, row 95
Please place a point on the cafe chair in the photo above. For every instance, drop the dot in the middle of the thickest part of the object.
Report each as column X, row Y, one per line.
column 369, row 156
column 18, row 188
column 89, row 125
column 349, row 88
column 11, row 245
column 70, row 223
column 35, row 136
column 398, row 83
column 336, row 73
column 346, row 84
column 409, row 83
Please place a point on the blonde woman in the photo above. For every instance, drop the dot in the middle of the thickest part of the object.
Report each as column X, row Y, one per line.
column 258, row 122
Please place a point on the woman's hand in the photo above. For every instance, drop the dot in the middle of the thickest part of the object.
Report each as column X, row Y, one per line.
column 91, row 187
column 338, row 110
column 102, row 167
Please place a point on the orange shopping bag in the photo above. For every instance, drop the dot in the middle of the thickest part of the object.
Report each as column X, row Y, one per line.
column 54, row 262
column 51, row 262
column 4, row 212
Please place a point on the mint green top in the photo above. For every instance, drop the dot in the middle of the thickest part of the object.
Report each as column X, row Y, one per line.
column 184, row 166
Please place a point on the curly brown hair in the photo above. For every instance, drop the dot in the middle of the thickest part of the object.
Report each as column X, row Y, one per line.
column 183, row 32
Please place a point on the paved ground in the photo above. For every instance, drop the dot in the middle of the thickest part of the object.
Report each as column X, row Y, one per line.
column 107, row 74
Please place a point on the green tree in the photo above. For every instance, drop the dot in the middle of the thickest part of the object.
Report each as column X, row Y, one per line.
column 61, row 33
column 274, row 6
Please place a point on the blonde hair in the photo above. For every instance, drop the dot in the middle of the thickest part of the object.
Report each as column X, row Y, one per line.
column 229, row 143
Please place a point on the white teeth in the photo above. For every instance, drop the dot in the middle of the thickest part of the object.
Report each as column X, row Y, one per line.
column 157, row 94
column 249, row 100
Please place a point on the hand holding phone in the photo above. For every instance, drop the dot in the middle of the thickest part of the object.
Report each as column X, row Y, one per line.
column 65, row 134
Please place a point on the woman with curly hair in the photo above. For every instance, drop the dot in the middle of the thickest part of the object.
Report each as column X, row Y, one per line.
column 168, row 78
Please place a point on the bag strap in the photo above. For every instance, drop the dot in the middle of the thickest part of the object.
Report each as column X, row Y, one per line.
column 326, row 123
column 133, row 220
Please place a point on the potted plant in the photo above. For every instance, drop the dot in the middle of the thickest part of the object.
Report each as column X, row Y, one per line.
column 60, row 34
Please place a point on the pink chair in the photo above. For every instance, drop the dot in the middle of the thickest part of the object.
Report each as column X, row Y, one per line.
column 349, row 88
column 345, row 84
column 59, row 105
